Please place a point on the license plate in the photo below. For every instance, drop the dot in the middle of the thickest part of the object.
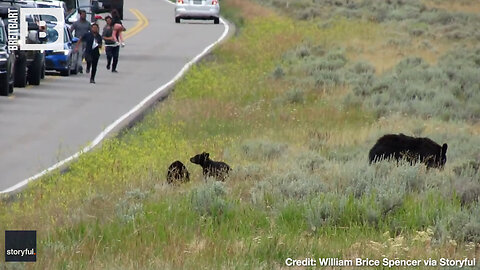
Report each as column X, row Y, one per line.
column 197, row 2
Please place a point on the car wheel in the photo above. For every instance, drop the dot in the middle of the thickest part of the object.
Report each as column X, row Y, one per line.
column 74, row 70
column 65, row 72
column 216, row 21
column 177, row 20
column 20, row 73
column 35, row 71
column 10, row 88
column 4, row 85
column 74, row 64
column 43, row 72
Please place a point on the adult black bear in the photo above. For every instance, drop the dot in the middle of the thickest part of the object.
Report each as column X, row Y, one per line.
column 177, row 172
column 409, row 148
column 211, row 168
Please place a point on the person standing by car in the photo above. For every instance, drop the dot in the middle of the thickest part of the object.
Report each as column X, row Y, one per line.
column 93, row 43
column 80, row 28
column 112, row 48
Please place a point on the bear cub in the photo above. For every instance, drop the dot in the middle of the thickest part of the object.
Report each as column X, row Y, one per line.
column 211, row 168
column 177, row 172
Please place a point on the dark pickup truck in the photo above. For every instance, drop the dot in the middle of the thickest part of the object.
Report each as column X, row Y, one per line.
column 29, row 65
column 7, row 63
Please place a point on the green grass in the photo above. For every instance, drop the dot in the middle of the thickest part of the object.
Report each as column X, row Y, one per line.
column 274, row 102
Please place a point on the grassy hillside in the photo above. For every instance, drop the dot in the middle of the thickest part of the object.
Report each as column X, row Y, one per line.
column 293, row 102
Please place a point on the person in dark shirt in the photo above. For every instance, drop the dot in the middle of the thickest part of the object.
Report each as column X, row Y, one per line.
column 80, row 28
column 93, row 43
column 112, row 48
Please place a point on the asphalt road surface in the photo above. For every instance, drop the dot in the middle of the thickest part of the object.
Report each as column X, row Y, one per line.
column 42, row 125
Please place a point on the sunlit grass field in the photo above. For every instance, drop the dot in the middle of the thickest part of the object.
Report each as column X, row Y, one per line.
column 293, row 105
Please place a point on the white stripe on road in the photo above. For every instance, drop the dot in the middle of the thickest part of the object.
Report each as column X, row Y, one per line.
column 135, row 109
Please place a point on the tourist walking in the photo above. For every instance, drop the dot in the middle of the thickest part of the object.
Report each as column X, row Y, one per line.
column 93, row 43
column 80, row 28
column 112, row 48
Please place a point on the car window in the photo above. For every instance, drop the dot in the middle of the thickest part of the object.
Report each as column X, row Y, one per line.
column 71, row 4
column 84, row 2
column 29, row 19
column 45, row 6
column 3, row 35
column 75, row 16
column 69, row 33
column 52, row 35
column 5, row 22
column 65, row 36
column 49, row 18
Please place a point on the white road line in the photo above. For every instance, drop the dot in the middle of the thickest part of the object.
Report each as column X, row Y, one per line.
column 135, row 109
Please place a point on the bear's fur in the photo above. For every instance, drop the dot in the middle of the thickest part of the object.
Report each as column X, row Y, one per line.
column 410, row 149
column 211, row 168
column 177, row 172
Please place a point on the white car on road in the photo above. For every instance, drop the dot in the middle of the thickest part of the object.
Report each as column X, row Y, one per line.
column 197, row 10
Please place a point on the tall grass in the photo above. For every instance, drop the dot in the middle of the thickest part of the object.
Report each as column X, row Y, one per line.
column 447, row 90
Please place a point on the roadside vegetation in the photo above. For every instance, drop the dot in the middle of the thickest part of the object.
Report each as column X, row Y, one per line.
column 293, row 102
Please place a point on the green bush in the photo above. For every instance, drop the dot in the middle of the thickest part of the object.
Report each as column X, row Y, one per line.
column 411, row 15
column 467, row 189
column 292, row 96
column 263, row 149
column 280, row 188
column 253, row 172
column 310, row 161
column 209, row 199
column 325, row 211
column 131, row 206
column 447, row 91
column 461, row 225
column 278, row 73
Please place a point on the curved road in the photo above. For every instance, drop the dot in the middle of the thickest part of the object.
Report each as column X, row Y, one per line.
column 41, row 125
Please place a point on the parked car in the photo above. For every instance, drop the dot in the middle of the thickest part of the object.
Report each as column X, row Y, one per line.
column 29, row 65
column 52, row 4
column 74, row 15
column 7, row 63
column 64, row 61
column 90, row 7
column 197, row 10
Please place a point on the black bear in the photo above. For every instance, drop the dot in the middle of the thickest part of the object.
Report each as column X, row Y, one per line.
column 409, row 148
column 211, row 168
column 177, row 172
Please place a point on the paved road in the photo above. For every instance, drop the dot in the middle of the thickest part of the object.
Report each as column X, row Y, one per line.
column 42, row 125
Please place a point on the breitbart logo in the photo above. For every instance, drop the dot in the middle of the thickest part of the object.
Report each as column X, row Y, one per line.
column 20, row 36
column 20, row 246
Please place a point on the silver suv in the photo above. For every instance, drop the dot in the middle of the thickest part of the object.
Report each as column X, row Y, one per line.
column 197, row 10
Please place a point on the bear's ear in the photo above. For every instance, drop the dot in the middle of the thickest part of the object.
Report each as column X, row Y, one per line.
column 444, row 148
column 207, row 155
